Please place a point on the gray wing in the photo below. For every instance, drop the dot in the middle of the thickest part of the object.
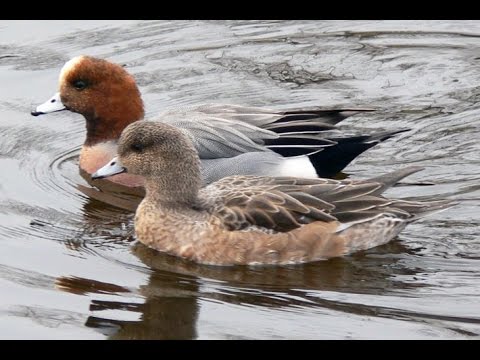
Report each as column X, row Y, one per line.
column 284, row 203
column 263, row 117
column 251, row 163
column 216, row 137
column 220, row 130
column 255, row 116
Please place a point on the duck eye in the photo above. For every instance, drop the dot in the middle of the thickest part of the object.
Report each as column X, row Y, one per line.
column 79, row 84
column 137, row 147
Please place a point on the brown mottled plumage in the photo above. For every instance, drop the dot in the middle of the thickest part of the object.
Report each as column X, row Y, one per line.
column 254, row 219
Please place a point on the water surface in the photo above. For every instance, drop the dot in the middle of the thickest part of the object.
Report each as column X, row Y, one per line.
column 69, row 265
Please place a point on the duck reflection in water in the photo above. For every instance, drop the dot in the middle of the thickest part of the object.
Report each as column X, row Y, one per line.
column 168, row 305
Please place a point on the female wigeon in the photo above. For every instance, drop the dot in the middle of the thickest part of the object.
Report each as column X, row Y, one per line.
column 263, row 142
column 250, row 220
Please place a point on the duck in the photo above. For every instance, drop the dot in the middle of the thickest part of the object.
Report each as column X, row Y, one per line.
column 249, row 219
column 265, row 142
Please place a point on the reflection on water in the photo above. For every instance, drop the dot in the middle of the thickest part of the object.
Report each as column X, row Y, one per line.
column 170, row 298
column 69, row 265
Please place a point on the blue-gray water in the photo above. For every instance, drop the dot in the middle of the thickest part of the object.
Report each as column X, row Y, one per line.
column 69, row 267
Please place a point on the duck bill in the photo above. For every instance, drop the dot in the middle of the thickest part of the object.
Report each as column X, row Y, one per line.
column 114, row 167
column 51, row 105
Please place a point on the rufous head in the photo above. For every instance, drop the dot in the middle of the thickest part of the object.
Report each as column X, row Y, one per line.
column 102, row 91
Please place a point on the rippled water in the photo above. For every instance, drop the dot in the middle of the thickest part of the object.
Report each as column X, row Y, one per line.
column 69, row 265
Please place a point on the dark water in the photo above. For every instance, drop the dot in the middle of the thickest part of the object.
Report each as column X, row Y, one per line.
column 69, row 267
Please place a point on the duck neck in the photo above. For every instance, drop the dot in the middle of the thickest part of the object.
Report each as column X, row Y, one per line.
column 172, row 191
column 175, row 198
column 106, row 124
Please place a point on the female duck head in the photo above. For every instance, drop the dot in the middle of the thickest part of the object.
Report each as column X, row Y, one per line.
column 164, row 156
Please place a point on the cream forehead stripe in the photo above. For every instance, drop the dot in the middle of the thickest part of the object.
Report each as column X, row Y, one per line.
column 68, row 67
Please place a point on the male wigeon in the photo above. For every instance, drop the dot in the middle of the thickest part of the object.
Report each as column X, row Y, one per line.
column 263, row 142
column 251, row 220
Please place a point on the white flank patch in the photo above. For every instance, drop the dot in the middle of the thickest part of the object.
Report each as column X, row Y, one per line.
column 298, row 166
column 69, row 66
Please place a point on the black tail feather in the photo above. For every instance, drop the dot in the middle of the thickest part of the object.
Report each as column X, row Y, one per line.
column 333, row 159
column 298, row 126
column 326, row 116
column 301, row 144
column 311, row 120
